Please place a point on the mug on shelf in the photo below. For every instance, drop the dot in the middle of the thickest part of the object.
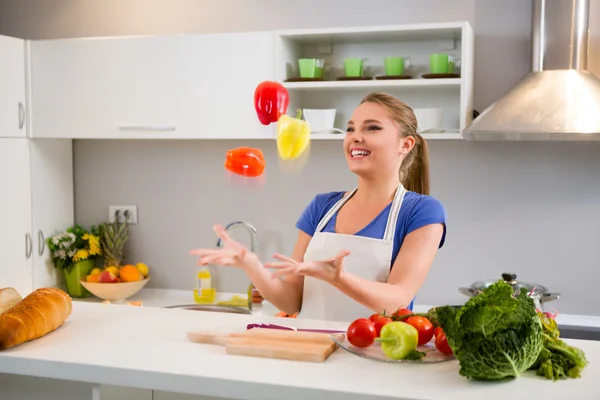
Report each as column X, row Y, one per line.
column 429, row 119
column 441, row 63
column 311, row 67
column 353, row 67
column 320, row 120
column 394, row 66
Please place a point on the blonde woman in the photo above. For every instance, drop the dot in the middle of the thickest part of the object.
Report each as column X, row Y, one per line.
column 365, row 250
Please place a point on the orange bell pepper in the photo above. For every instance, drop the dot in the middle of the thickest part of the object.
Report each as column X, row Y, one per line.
column 245, row 161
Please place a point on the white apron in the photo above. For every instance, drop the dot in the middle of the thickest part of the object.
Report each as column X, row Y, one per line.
column 369, row 258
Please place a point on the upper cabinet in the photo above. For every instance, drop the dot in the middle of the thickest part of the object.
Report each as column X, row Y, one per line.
column 13, row 121
column 429, row 66
column 158, row 87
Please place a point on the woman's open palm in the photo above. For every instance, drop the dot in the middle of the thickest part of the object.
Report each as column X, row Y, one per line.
column 231, row 254
column 327, row 270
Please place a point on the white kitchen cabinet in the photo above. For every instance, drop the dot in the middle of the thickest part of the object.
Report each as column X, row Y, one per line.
column 12, row 87
column 157, row 87
column 37, row 201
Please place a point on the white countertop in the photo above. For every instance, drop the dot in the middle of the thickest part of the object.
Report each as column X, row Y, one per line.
column 146, row 347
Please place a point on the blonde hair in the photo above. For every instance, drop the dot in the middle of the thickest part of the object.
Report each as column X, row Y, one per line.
column 414, row 171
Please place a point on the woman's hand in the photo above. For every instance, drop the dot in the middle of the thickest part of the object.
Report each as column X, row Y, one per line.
column 328, row 270
column 231, row 254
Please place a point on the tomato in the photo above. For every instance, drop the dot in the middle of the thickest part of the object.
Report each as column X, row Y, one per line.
column 374, row 317
column 380, row 322
column 441, row 343
column 361, row 333
column 423, row 326
column 402, row 311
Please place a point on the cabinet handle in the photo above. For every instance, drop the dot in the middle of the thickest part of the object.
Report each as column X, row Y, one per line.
column 146, row 128
column 28, row 245
column 21, row 115
column 41, row 243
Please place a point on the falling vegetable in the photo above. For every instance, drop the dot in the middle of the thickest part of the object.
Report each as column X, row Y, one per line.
column 399, row 341
column 245, row 161
column 293, row 136
column 271, row 101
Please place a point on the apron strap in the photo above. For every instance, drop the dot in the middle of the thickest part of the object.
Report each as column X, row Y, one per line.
column 390, row 228
column 334, row 209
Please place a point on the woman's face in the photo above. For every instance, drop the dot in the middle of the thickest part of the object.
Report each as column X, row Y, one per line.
column 373, row 145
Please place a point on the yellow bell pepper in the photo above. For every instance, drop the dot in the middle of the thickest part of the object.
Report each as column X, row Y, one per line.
column 293, row 136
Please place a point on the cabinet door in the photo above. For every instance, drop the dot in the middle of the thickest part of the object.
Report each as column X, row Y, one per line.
column 16, row 244
column 12, row 85
column 52, row 202
column 218, row 76
column 185, row 86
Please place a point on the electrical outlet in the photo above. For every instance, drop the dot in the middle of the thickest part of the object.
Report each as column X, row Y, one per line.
column 132, row 210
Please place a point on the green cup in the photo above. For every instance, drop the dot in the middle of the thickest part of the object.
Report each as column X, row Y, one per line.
column 307, row 67
column 311, row 67
column 353, row 67
column 440, row 63
column 394, row 66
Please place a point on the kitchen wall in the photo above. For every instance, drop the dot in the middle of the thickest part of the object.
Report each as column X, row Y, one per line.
column 528, row 208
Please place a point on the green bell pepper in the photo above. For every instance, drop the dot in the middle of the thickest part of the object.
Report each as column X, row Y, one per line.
column 398, row 340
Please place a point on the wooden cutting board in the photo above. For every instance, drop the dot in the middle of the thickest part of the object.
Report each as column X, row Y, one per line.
column 8, row 298
column 271, row 343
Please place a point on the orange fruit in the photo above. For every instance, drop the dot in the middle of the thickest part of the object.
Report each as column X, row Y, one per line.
column 93, row 278
column 129, row 273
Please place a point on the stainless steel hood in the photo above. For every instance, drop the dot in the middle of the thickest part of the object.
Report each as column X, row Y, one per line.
column 558, row 100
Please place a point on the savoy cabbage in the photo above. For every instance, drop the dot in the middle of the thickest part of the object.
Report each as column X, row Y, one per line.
column 494, row 335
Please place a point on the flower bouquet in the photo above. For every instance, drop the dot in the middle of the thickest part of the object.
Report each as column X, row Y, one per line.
column 75, row 251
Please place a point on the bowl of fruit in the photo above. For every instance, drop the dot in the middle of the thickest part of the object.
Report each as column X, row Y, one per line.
column 115, row 283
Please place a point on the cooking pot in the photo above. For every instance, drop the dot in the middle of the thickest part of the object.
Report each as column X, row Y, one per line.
column 538, row 293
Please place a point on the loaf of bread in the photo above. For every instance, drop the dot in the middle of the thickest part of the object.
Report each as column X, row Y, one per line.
column 38, row 314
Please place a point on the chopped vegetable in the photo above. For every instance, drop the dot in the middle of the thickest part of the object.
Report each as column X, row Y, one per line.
column 399, row 341
column 361, row 333
column 557, row 360
column 423, row 327
column 494, row 335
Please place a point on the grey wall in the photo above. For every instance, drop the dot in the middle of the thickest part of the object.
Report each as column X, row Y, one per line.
column 528, row 208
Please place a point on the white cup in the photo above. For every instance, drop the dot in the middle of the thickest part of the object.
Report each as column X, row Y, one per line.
column 320, row 119
column 429, row 119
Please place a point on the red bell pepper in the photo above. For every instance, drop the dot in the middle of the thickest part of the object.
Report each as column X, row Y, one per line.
column 271, row 101
column 245, row 161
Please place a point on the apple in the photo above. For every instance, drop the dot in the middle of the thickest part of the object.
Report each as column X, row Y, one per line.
column 108, row 277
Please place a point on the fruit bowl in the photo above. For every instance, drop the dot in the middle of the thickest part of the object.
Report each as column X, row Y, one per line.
column 114, row 291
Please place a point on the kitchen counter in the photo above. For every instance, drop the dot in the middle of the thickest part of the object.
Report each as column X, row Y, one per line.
column 146, row 347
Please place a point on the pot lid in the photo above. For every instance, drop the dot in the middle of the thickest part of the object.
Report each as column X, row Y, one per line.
column 533, row 288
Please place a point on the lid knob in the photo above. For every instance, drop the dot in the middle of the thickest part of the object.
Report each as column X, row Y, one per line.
column 509, row 276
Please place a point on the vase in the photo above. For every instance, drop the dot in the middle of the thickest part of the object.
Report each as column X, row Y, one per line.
column 73, row 275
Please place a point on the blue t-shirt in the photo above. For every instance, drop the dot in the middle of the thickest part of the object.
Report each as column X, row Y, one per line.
column 417, row 211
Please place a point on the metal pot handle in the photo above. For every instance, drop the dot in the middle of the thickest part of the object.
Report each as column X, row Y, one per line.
column 469, row 292
column 546, row 297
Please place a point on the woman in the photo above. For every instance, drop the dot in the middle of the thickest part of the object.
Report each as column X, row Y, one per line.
column 361, row 251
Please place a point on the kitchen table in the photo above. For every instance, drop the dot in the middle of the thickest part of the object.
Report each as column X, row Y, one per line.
column 144, row 350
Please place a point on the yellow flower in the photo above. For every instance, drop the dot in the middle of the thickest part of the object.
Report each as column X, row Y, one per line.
column 80, row 255
column 94, row 242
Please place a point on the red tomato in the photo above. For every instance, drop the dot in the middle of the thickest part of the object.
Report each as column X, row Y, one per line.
column 380, row 322
column 441, row 343
column 361, row 333
column 423, row 326
column 374, row 317
column 402, row 311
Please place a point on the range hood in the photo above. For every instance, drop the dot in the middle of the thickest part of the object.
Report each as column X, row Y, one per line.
column 559, row 100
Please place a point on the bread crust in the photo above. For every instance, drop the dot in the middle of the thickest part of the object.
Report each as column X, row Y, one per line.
column 38, row 314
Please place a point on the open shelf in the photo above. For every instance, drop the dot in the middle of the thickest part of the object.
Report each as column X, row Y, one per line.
column 454, row 96
column 373, row 84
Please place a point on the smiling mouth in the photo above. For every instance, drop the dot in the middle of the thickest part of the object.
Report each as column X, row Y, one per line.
column 358, row 154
